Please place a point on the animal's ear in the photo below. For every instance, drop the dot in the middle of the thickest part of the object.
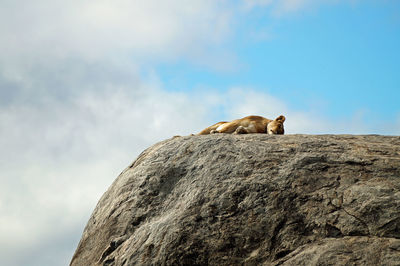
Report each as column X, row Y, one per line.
column 280, row 118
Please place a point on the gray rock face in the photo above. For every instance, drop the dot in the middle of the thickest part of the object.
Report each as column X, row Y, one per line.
column 252, row 200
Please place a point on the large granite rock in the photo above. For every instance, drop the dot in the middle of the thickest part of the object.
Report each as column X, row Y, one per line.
column 252, row 200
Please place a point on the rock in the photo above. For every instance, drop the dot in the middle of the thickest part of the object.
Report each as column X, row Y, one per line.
column 252, row 200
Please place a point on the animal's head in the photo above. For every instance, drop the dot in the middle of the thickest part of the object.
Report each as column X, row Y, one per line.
column 276, row 126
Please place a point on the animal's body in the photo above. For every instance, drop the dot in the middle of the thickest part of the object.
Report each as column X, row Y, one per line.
column 248, row 124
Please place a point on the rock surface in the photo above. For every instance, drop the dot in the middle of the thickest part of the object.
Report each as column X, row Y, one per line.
column 252, row 200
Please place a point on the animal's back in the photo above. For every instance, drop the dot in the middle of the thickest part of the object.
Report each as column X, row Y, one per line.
column 254, row 118
column 246, row 125
column 252, row 124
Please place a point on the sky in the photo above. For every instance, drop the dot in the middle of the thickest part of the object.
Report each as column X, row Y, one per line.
column 85, row 86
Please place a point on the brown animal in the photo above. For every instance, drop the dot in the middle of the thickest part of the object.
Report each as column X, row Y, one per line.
column 248, row 124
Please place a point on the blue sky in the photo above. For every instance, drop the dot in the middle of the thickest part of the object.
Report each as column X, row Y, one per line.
column 339, row 59
column 85, row 86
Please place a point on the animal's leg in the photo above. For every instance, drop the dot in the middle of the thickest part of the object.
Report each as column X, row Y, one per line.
column 241, row 130
column 214, row 131
column 227, row 128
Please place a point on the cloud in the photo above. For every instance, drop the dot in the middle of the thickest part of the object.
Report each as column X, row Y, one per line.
column 143, row 31
column 99, row 29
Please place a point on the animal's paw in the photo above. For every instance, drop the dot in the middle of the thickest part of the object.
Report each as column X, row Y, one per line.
column 214, row 131
column 240, row 130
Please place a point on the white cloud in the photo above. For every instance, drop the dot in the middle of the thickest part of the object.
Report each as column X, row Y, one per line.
column 245, row 101
column 99, row 29
column 140, row 30
column 122, row 30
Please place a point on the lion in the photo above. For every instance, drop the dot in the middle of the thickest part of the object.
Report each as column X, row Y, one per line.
column 247, row 125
